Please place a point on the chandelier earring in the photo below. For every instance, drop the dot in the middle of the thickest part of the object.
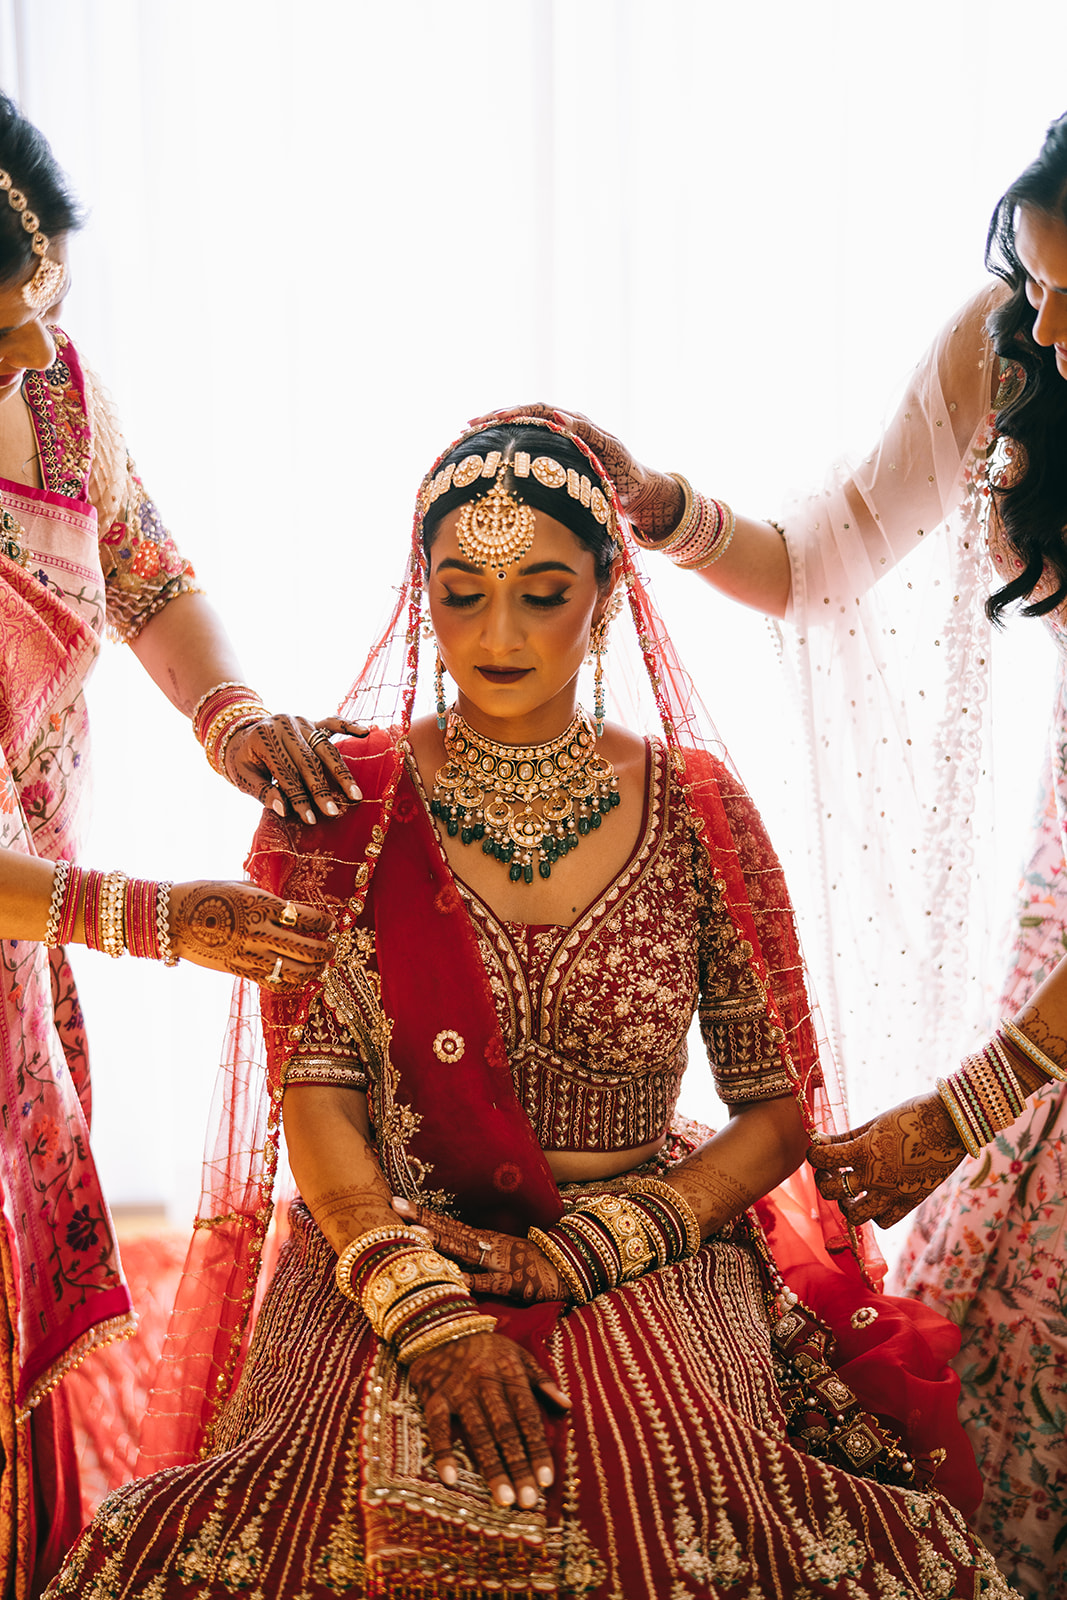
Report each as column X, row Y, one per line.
column 598, row 643
column 439, row 691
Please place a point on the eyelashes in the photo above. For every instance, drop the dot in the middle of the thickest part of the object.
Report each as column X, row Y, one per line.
column 539, row 602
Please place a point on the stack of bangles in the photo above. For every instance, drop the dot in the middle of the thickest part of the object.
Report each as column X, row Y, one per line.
column 222, row 712
column 608, row 1239
column 119, row 913
column 985, row 1095
column 413, row 1297
column 702, row 535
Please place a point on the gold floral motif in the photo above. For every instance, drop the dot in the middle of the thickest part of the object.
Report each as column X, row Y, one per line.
column 449, row 1045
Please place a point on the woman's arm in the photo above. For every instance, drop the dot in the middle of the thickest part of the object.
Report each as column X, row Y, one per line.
column 757, row 1149
column 226, row 927
column 896, row 1159
column 328, row 1137
column 186, row 651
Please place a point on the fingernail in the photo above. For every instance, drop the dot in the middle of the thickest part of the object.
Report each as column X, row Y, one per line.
column 448, row 1474
column 545, row 1477
column 505, row 1495
column 527, row 1496
column 400, row 1204
column 309, row 816
column 331, row 809
column 355, row 791
column 278, row 805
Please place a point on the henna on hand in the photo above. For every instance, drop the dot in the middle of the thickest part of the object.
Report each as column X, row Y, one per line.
column 235, row 927
column 278, row 754
column 496, row 1263
column 488, row 1384
column 892, row 1162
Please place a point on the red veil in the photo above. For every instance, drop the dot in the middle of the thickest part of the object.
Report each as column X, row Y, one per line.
column 809, row 1236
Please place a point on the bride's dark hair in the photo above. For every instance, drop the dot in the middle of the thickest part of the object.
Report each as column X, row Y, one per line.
column 557, row 503
column 1033, row 507
column 26, row 156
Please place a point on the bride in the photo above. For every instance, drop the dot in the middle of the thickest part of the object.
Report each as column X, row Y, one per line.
column 531, row 1332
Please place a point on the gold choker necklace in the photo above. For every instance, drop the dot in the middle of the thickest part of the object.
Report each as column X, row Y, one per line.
column 488, row 792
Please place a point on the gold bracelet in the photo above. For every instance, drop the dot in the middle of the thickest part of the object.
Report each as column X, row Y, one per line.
column 670, row 1196
column 60, row 874
column 548, row 1248
column 113, row 914
column 447, row 1333
column 346, row 1260
column 1036, row 1054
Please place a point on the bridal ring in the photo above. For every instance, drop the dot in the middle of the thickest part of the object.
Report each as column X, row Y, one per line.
column 275, row 971
column 846, row 1184
column 320, row 736
column 484, row 1247
column 287, row 915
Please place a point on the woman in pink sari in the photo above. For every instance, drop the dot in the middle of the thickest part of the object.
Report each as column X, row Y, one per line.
column 83, row 552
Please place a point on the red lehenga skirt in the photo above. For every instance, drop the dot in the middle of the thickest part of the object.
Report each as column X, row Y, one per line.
column 674, row 1475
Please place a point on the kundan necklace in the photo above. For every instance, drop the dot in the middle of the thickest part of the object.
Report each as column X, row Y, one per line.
column 523, row 800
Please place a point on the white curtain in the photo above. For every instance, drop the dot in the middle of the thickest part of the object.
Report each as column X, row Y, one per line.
column 322, row 235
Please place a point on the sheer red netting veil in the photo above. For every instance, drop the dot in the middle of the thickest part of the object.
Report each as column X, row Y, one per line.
column 236, row 1234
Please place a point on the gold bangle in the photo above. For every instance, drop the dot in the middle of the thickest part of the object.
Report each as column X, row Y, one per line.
column 346, row 1260
column 670, row 1196
column 447, row 1333
column 60, row 874
column 948, row 1100
column 547, row 1247
column 1036, row 1054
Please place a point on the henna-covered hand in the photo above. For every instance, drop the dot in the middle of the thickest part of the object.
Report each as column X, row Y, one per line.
column 494, row 1263
column 652, row 500
column 234, row 927
column 490, row 1385
column 892, row 1162
column 282, row 762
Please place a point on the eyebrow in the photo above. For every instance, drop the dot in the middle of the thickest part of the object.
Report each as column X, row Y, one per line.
column 451, row 564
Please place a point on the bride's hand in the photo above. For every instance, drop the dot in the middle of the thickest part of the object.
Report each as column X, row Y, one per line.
column 651, row 500
column 491, row 1386
column 494, row 1263
column 881, row 1171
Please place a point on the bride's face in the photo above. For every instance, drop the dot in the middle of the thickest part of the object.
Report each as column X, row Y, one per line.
column 1041, row 245
column 513, row 644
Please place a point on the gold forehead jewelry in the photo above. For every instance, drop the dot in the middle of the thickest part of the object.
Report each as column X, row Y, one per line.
column 496, row 529
column 548, row 472
column 43, row 288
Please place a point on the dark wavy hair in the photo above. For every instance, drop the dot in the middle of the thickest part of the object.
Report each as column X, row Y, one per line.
column 508, row 438
column 1033, row 509
column 27, row 156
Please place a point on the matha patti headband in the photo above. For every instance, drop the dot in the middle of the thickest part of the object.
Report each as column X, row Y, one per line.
column 498, row 528
column 43, row 288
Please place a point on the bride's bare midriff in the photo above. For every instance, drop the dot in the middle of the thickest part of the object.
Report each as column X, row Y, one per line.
column 584, row 1166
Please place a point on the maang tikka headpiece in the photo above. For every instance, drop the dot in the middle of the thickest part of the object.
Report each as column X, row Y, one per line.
column 498, row 528
column 43, row 288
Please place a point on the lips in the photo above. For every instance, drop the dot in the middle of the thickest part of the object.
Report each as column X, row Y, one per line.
column 504, row 674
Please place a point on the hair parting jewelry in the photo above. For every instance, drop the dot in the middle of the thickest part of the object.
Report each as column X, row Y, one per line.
column 503, row 524
column 43, row 288
column 522, row 801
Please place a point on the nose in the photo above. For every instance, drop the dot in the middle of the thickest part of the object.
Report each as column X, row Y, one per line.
column 501, row 633
column 1050, row 322
column 30, row 347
